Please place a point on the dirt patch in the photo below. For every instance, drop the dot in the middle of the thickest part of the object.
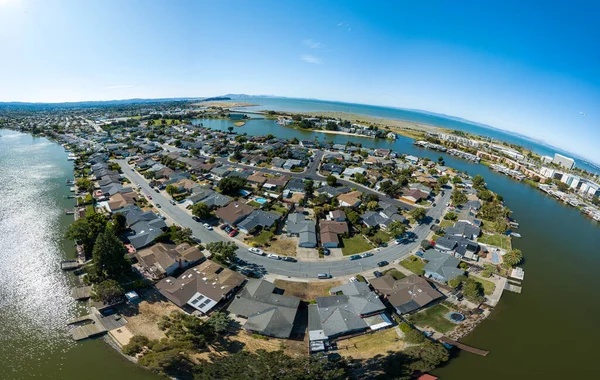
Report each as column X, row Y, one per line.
column 285, row 246
column 307, row 291
column 142, row 319
column 371, row 345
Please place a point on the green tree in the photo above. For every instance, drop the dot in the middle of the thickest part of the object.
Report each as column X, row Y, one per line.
column 441, row 160
column 309, row 188
column 86, row 230
column 372, row 205
column 426, row 244
column 450, row 216
column 478, row 182
column 85, row 184
column 223, row 252
column 353, row 217
column 459, row 198
column 220, row 322
column 426, row 356
column 513, row 258
column 485, row 195
column 473, row 290
column 171, row 189
column 107, row 291
column 443, row 180
column 171, row 362
column 331, row 180
column 396, row 228
column 109, row 256
column 119, row 223
column 136, row 345
column 418, row 213
column 232, row 185
column 456, row 180
column 201, row 210
column 389, row 188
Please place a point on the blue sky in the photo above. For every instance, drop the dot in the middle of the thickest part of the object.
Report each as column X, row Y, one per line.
column 529, row 67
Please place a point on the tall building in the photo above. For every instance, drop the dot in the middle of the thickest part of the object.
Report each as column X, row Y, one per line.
column 546, row 159
column 565, row 162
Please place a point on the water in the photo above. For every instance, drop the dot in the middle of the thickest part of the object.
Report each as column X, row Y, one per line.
column 35, row 301
column 308, row 105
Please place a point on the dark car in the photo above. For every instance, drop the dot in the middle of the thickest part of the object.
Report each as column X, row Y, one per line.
column 377, row 274
column 434, row 205
column 158, row 205
column 382, row 263
column 420, row 254
column 326, row 251
column 290, row 259
column 437, row 221
column 196, row 219
column 223, row 226
column 354, row 257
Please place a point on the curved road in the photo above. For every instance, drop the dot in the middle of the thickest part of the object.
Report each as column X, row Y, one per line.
column 300, row 269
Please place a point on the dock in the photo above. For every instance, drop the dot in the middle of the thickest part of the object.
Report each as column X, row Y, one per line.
column 82, row 292
column 464, row 347
column 512, row 288
column 69, row 265
column 95, row 324
column 69, row 212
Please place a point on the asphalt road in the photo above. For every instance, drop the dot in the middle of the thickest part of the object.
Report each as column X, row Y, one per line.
column 300, row 269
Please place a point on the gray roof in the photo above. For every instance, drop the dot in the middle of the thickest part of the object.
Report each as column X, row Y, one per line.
column 268, row 313
column 295, row 184
column 463, row 229
column 445, row 243
column 305, row 229
column 146, row 225
column 258, row 218
column 209, row 197
column 442, row 264
column 333, row 191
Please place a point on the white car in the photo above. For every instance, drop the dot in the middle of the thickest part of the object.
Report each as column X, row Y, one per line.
column 256, row 251
column 207, row 226
column 273, row 256
column 353, row 279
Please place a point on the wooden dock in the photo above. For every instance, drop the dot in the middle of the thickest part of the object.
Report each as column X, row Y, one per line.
column 69, row 265
column 95, row 324
column 512, row 288
column 464, row 347
column 82, row 292
column 69, row 212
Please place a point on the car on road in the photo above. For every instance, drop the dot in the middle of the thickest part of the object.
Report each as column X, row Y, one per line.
column 172, row 202
column 148, row 196
column 354, row 257
column 437, row 221
column 289, row 259
column 196, row 240
column 156, row 190
column 377, row 274
column 401, row 241
column 207, row 226
column 434, row 205
column 366, row 254
column 382, row 263
column 233, row 233
column 158, row 205
column 353, row 279
column 138, row 186
column 273, row 256
column 323, row 275
column 196, row 219
column 249, row 273
column 256, row 251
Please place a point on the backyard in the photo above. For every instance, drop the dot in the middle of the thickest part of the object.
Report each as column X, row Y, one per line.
column 497, row 240
column 413, row 264
column 488, row 286
column 307, row 291
column 434, row 317
column 395, row 273
column 355, row 244
column 370, row 345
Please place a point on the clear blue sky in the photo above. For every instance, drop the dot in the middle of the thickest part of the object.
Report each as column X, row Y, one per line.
column 529, row 67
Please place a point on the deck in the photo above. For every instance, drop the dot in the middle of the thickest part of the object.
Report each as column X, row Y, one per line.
column 464, row 347
column 95, row 324
column 69, row 265
column 82, row 292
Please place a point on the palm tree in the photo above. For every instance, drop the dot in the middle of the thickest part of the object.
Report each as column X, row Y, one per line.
column 513, row 258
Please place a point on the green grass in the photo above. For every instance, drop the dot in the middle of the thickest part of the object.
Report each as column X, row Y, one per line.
column 446, row 223
column 263, row 237
column 497, row 240
column 279, row 209
column 413, row 266
column 355, row 244
column 167, row 122
column 434, row 317
column 488, row 286
column 395, row 273
column 384, row 236
column 435, row 237
column 253, row 204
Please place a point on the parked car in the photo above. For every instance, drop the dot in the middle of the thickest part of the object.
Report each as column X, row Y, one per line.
column 382, row 263
column 196, row 240
column 326, row 251
column 420, row 254
column 353, row 279
column 249, row 273
column 437, row 221
column 173, row 202
column 256, row 251
column 233, row 233
column 196, row 219
column 223, row 226
column 434, row 205
column 156, row 190
column 323, row 275
column 354, row 257
column 366, row 254
column 139, row 186
column 289, row 259
column 207, row 226
column 149, row 196
column 377, row 274
column 273, row 256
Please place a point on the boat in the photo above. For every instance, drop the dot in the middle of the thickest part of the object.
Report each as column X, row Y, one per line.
column 515, row 234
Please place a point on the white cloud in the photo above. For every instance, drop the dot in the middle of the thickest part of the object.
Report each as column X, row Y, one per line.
column 311, row 59
column 118, row 86
column 344, row 25
column 313, row 44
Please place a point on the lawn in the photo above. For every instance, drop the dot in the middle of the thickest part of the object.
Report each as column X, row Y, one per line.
column 413, row 266
column 434, row 317
column 446, row 223
column 284, row 247
column 253, row 204
column 355, row 244
column 488, row 286
column 497, row 240
column 370, row 345
column 279, row 209
column 263, row 237
column 307, row 291
column 384, row 236
column 395, row 273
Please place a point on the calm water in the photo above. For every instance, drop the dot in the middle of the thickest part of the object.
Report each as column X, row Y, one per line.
column 548, row 331
column 35, row 300
column 308, row 105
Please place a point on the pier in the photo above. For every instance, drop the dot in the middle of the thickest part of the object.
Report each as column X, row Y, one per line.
column 464, row 347
column 95, row 324
column 82, row 292
column 70, row 265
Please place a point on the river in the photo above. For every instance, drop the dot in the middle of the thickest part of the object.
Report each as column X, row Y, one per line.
column 547, row 332
column 35, row 301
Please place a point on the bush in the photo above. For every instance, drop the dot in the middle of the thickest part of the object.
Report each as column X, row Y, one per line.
column 405, row 327
column 463, row 265
column 360, row 278
column 135, row 345
column 414, row 336
column 486, row 274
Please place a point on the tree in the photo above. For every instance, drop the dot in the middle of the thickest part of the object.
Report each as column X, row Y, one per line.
column 331, row 180
column 223, row 252
column 450, row 216
column 426, row 244
column 443, row 180
column 513, row 258
column 441, row 160
column 418, row 213
column 478, row 182
column 219, row 321
column 119, row 223
column 396, row 228
column 86, row 230
column 232, row 185
column 107, row 291
column 426, row 356
column 372, row 205
column 109, row 256
column 456, row 180
column 169, row 362
column 353, row 217
column 201, row 210
column 389, row 188
column 171, row 189
column 85, row 184
column 211, row 160
column 230, row 128
column 459, row 198
column 136, row 345
column 309, row 188
column 491, row 211
column 473, row 290
column 562, row 186
column 485, row 195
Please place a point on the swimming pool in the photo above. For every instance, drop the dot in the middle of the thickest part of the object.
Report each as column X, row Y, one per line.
column 495, row 258
column 261, row 200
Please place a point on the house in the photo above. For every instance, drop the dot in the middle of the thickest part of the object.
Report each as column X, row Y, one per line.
column 207, row 196
column 350, row 172
column 277, row 162
column 412, row 159
column 330, row 231
column 257, row 219
column 414, row 195
column 333, row 191
column 297, row 225
column 276, row 182
column 234, row 212
column 145, row 225
column 354, row 308
column 120, row 200
column 464, row 229
column 220, row 172
column 351, row 199
column 202, row 287
column 465, row 248
column 257, row 179
column 291, row 163
column 295, row 185
column 406, row 295
column 332, row 168
column 441, row 266
column 445, row 244
column 378, row 219
column 266, row 310
column 337, row 215
column 162, row 260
